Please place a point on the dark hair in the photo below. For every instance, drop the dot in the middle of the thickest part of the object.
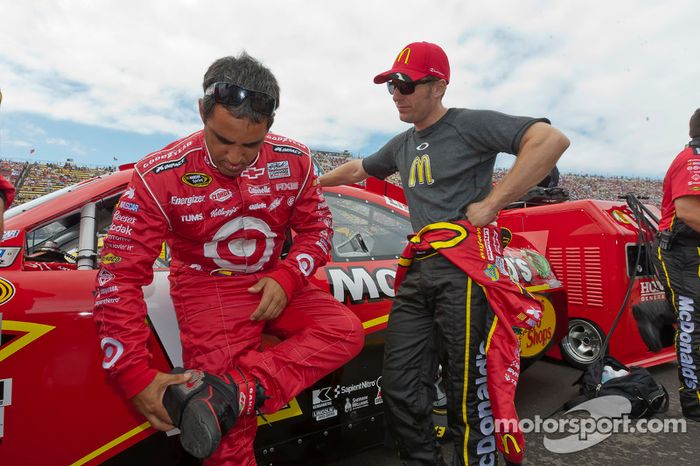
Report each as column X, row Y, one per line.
column 244, row 71
column 695, row 125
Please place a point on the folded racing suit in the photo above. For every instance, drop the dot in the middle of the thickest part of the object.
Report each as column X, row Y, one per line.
column 460, row 274
column 224, row 234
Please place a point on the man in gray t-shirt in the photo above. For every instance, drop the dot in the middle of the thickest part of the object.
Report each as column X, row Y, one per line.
column 446, row 165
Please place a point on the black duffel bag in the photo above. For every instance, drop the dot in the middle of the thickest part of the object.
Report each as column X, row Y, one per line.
column 646, row 396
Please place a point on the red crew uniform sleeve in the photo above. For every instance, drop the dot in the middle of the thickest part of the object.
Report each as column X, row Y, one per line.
column 683, row 175
column 8, row 191
column 311, row 220
column 133, row 242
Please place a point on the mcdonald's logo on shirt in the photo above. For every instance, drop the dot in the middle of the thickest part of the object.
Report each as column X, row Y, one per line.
column 420, row 171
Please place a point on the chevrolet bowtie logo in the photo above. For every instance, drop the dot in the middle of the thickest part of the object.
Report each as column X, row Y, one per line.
column 253, row 173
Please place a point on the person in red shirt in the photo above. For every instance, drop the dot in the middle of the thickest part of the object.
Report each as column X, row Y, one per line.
column 7, row 195
column 223, row 199
column 678, row 249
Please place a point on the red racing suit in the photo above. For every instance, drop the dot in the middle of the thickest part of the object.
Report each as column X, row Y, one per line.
column 224, row 234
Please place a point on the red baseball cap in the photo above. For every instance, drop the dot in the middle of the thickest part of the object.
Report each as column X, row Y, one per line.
column 416, row 61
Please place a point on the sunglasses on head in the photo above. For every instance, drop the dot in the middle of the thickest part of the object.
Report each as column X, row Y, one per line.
column 406, row 87
column 234, row 95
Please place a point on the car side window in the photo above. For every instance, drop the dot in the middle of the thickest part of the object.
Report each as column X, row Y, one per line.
column 365, row 230
column 52, row 243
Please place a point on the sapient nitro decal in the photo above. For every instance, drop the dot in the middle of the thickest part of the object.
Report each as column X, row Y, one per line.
column 323, row 406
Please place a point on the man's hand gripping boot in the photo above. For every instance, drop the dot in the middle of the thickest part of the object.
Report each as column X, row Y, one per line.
column 205, row 408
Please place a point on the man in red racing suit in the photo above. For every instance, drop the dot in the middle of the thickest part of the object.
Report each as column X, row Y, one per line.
column 223, row 199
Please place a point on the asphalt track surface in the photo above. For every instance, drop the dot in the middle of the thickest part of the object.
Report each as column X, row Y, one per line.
column 543, row 388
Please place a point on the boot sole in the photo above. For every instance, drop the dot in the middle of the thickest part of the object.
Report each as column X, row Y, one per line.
column 200, row 432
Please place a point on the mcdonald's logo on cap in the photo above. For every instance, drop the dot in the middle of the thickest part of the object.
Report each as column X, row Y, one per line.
column 416, row 61
column 407, row 51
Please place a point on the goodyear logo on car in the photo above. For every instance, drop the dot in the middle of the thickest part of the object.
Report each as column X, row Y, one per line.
column 196, row 180
column 111, row 259
column 7, row 291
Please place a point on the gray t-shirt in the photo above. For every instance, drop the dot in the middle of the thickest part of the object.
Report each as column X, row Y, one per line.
column 449, row 165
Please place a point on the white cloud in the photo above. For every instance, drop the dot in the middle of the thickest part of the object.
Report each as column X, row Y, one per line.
column 619, row 78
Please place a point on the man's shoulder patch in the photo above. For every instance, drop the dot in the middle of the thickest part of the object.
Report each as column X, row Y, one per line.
column 284, row 145
column 172, row 156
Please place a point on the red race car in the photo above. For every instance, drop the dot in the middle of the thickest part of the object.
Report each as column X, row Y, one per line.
column 595, row 248
column 56, row 406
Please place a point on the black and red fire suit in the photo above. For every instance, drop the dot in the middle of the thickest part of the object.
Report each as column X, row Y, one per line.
column 678, row 250
column 459, row 270
column 224, row 234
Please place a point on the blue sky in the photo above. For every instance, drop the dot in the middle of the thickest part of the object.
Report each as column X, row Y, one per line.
column 94, row 80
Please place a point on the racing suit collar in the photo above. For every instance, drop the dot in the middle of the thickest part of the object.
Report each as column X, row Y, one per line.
column 694, row 142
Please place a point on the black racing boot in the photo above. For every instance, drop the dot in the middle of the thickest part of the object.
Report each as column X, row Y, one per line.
column 206, row 407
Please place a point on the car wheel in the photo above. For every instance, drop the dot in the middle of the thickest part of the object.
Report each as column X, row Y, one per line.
column 582, row 344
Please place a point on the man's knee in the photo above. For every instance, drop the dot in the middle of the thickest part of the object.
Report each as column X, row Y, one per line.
column 355, row 335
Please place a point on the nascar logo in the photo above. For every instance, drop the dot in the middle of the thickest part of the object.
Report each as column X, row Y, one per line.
column 196, row 180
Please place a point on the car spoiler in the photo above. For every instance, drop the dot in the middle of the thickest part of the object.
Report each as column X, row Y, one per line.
column 383, row 188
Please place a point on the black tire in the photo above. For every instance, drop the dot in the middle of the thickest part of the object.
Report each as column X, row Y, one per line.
column 582, row 344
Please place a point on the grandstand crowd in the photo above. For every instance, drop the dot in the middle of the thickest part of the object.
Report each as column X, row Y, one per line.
column 34, row 179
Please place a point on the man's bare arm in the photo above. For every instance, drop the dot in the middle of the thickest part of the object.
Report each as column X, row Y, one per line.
column 688, row 210
column 540, row 148
column 347, row 173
